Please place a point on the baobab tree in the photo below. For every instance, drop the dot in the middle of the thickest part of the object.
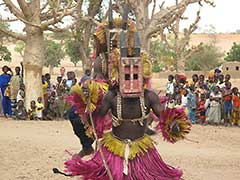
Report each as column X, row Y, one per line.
column 38, row 16
column 150, row 24
column 180, row 42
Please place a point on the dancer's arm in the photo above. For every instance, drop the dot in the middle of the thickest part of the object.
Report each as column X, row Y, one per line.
column 106, row 103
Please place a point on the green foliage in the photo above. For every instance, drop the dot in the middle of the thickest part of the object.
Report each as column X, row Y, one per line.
column 73, row 51
column 5, row 54
column 234, row 53
column 53, row 53
column 206, row 59
column 162, row 57
column 20, row 47
column 3, row 26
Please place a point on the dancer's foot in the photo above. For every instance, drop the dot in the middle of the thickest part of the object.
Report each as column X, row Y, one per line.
column 86, row 151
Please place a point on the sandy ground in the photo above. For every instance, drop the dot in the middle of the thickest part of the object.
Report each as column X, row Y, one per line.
column 29, row 150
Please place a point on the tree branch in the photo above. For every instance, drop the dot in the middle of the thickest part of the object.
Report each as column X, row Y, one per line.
column 13, row 9
column 9, row 20
column 13, row 34
column 24, row 7
column 90, row 19
column 57, row 19
column 164, row 14
column 154, row 7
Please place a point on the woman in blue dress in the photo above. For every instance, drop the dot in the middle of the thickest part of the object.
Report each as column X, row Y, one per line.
column 4, row 84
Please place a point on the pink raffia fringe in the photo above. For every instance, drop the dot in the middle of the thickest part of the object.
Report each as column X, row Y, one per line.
column 148, row 166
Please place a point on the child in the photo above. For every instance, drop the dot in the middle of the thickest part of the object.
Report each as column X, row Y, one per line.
column 207, row 106
column 21, row 93
column 170, row 85
column 32, row 111
column 39, row 108
column 214, row 116
column 184, row 98
column 178, row 103
column 227, row 103
column 20, row 112
column 170, row 103
column 191, row 104
column 201, row 109
column 236, row 107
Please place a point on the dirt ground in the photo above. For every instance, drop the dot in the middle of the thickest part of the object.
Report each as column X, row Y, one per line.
column 29, row 150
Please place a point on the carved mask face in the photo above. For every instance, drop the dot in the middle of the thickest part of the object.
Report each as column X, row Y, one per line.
column 130, row 77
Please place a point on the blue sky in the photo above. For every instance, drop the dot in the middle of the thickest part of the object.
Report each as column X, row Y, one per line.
column 224, row 17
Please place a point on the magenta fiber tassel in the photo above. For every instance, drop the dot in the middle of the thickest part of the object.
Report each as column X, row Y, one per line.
column 148, row 166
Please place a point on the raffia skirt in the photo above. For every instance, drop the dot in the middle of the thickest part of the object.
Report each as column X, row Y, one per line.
column 144, row 162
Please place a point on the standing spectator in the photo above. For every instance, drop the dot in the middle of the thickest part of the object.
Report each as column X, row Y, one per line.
column 217, row 72
column 50, row 86
column 69, row 80
column 170, row 103
column 170, row 85
column 201, row 78
column 184, row 98
column 62, row 73
column 4, row 84
column 211, row 84
column 21, row 93
column 15, row 83
column 227, row 103
column 191, row 104
column 178, row 103
column 45, row 93
column 201, row 89
column 227, row 78
column 236, row 107
column 201, row 109
column 207, row 105
column 221, row 83
column 214, row 116
column 194, row 81
column 39, row 108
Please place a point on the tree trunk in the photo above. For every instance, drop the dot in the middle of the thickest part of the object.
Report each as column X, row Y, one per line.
column 180, row 65
column 33, row 63
column 51, row 68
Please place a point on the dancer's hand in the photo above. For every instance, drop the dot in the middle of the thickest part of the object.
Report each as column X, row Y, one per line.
column 175, row 128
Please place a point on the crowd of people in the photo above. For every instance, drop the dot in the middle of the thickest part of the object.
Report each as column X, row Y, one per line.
column 51, row 105
column 208, row 100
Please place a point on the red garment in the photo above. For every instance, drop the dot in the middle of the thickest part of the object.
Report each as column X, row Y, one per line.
column 229, row 96
column 236, row 101
column 201, row 110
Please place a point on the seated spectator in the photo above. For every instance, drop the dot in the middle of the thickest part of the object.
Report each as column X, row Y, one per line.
column 32, row 111
column 20, row 112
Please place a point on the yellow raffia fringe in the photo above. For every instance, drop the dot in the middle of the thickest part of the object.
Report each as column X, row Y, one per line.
column 94, row 87
column 117, row 147
column 147, row 65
